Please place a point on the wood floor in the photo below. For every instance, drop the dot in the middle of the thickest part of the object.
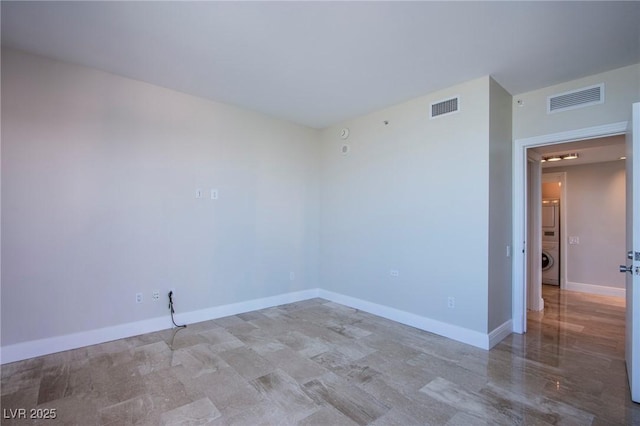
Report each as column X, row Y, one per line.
column 320, row 363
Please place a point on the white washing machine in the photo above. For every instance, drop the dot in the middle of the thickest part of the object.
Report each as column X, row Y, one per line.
column 550, row 263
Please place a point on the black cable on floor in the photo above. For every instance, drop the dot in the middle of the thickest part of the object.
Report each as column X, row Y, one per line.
column 173, row 311
column 173, row 337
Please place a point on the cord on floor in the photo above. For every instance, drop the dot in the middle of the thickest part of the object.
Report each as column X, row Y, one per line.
column 173, row 311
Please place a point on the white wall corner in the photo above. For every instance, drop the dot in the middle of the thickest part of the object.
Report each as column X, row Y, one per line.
column 499, row 333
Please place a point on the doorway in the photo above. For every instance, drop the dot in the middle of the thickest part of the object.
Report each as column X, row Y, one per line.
column 585, row 236
column 521, row 256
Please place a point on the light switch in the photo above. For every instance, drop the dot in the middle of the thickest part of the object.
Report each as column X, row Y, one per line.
column 214, row 194
column 199, row 193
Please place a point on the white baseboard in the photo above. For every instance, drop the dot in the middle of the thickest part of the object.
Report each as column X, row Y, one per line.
column 50, row 345
column 246, row 306
column 500, row 332
column 595, row 289
column 34, row 348
column 454, row 332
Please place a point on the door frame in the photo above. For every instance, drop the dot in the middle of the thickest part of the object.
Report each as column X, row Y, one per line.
column 520, row 219
column 534, row 228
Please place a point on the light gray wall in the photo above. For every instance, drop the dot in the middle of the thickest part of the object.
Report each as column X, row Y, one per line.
column 622, row 89
column 500, row 206
column 99, row 176
column 411, row 196
column 595, row 208
column 98, row 199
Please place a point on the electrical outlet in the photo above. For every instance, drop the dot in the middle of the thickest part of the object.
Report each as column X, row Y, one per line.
column 138, row 297
column 156, row 295
column 394, row 272
column 214, row 194
column 451, row 302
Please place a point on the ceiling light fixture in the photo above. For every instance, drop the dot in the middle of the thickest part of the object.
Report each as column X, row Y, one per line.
column 571, row 156
column 552, row 158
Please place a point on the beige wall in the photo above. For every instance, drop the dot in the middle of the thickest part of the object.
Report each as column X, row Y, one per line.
column 413, row 196
column 98, row 194
column 595, row 213
column 500, row 203
column 550, row 190
column 99, row 176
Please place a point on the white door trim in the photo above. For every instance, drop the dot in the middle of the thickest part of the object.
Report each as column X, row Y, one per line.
column 534, row 234
column 519, row 301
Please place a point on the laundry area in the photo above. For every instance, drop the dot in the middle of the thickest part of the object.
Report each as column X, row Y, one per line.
column 551, row 241
column 583, row 224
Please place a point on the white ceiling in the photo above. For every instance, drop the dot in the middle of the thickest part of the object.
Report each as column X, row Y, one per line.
column 318, row 63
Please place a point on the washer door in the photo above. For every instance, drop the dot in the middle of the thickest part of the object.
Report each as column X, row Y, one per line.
column 547, row 261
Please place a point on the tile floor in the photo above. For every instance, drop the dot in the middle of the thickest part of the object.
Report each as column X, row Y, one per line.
column 320, row 363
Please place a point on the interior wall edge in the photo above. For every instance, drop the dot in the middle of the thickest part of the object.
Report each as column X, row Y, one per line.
column 500, row 333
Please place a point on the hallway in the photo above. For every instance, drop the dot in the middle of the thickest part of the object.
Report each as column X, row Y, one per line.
column 574, row 352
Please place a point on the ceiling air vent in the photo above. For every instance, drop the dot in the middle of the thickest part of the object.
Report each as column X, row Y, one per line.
column 587, row 96
column 448, row 106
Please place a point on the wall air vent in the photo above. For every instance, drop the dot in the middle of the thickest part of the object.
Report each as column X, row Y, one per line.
column 586, row 96
column 448, row 106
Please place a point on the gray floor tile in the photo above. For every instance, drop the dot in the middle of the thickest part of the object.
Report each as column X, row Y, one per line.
column 320, row 363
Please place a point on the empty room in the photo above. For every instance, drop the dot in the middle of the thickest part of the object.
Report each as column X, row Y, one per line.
column 318, row 213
